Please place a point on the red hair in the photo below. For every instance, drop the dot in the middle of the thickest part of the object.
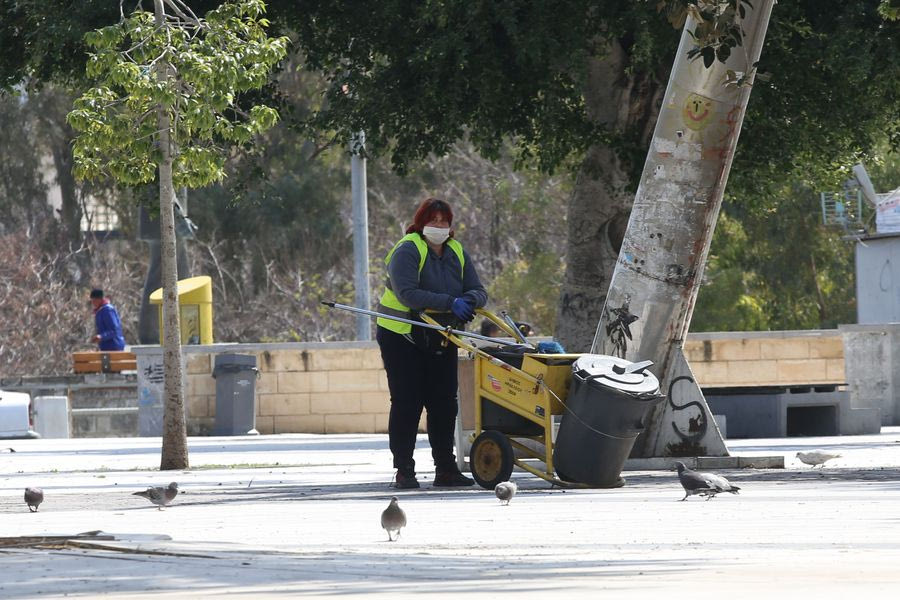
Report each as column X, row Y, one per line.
column 427, row 211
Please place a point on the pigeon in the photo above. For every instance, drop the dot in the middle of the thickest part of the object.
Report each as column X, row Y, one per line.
column 160, row 496
column 505, row 490
column 33, row 498
column 393, row 519
column 704, row 484
column 816, row 457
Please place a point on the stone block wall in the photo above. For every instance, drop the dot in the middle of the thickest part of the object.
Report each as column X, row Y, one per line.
column 744, row 359
column 103, row 412
column 341, row 387
column 336, row 387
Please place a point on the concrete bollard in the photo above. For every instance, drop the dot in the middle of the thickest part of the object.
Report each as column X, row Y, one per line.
column 51, row 416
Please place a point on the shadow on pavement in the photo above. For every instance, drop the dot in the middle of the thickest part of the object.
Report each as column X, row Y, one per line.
column 317, row 573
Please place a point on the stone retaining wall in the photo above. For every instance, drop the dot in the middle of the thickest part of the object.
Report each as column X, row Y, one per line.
column 745, row 359
column 341, row 387
column 337, row 387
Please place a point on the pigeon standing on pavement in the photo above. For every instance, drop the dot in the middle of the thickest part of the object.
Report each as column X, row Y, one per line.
column 704, row 484
column 160, row 496
column 505, row 491
column 33, row 498
column 393, row 519
column 816, row 457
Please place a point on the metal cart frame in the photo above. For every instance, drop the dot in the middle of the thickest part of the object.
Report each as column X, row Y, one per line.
column 529, row 396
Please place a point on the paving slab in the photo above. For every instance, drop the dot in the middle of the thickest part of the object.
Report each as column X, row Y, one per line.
column 298, row 515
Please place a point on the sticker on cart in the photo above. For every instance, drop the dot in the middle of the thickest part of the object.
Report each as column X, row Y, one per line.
column 539, row 410
column 495, row 383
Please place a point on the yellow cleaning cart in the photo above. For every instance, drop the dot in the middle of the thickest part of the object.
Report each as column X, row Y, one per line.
column 517, row 392
column 516, row 397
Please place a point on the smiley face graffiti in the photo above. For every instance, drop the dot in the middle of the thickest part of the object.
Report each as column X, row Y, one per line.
column 697, row 112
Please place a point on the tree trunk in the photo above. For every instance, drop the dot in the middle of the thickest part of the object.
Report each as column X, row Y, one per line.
column 603, row 193
column 54, row 104
column 660, row 267
column 174, row 442
column 70, row 211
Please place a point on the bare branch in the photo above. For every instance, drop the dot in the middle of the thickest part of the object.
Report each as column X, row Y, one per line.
column 322, row 148
column 192, row 18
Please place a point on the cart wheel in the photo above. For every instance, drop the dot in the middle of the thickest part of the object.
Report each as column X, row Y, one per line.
column 491, row 459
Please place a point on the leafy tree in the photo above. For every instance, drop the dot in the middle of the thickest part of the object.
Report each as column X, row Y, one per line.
column 777, row 268
column 774, row 265
column 575, row 84
column 167, row 96
column 581, row 81
column 884, row 168
column 21, row 181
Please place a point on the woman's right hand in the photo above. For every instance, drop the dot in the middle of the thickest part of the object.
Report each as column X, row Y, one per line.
column 462, row 310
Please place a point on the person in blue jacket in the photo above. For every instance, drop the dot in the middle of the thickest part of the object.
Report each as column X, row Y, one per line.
column 426, row 270
column 109, row 327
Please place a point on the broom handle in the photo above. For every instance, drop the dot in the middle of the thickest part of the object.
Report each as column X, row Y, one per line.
column 448, row 329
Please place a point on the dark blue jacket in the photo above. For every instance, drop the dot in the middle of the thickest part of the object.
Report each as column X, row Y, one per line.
column 109, row 328
column 440, row 281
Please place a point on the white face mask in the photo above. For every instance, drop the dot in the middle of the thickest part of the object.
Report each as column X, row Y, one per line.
column 436, row 235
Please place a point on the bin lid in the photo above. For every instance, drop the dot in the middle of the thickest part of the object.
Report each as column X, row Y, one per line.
column 227, row 359
column 193, row 290
column 617, row 373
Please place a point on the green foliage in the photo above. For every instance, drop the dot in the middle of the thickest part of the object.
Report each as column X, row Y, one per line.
column 195, row 71
column 22, row 188
column 510, row 221
column 42, row 40
column 416, row 75
column 775, row 266
column 890, row 9
column 420, row 74
column 717, row 25
column 883, row 166
column 292, row 216
column 830, row 100
column 529, row 290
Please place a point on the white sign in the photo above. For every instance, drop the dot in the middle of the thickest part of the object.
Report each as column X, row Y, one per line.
column 887, row 212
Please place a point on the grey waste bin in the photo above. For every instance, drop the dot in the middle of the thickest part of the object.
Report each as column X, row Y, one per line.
column 235, row 376
column 607, row 402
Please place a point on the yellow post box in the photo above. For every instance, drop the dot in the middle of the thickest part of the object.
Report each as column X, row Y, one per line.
column 195, row 303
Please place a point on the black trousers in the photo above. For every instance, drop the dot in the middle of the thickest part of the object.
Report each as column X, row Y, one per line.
column 417, row 379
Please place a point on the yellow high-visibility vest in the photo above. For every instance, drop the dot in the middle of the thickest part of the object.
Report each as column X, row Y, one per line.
column 389, row 303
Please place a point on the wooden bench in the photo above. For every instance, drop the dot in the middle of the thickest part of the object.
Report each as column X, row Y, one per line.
column 103, row 362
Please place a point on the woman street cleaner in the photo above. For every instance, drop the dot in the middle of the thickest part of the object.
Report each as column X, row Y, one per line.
column 426, row 270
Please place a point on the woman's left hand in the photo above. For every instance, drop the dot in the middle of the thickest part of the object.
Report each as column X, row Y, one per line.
column 462, row 310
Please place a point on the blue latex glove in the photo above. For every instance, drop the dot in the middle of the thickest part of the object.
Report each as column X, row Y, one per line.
column 462, row 310
column 550, row 348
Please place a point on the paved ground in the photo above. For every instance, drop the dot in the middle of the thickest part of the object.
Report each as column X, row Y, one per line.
column 298, row 515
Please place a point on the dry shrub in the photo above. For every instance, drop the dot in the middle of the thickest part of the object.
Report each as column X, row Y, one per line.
column 45, row 314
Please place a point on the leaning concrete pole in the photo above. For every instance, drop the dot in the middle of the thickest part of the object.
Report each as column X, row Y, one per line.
column 660, row 266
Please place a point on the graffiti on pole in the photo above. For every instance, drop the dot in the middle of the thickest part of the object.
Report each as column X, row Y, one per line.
column 618, row 328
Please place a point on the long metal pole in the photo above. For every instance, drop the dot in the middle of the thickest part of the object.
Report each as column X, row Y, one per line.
column 360, row 232
column 459, row 332
column 660, row 265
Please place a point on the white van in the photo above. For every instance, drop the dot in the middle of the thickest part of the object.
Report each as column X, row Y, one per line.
column 15, row 421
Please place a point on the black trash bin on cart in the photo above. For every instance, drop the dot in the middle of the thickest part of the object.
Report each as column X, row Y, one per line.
column 608, row 401
column 235, row 376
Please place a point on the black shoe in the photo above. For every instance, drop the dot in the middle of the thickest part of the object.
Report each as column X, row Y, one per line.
column 451, row 479
column 405, row 481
